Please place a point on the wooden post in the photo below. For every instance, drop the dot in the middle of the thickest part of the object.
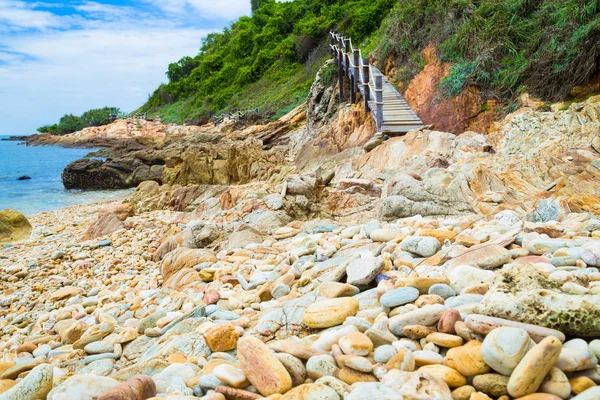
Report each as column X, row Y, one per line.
column 340, row 69
column 332, row 43
column 355, row 72
column 365, row 82
column 347, row 51
column 379, row 101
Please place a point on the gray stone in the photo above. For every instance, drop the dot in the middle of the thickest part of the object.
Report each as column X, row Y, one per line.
column 442, row 290
column 363, row 270
column 424, row 246
column 400, row 296
column 384, row 353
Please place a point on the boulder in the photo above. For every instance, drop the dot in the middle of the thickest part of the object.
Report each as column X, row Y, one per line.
column 35, row 386
column 13, row 226
column 104, row 225
column 522, row 293
column 409, row 196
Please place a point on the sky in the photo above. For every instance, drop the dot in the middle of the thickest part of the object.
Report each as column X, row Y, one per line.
column 60, row 57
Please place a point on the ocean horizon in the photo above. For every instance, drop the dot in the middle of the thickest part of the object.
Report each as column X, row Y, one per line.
column 45, row 190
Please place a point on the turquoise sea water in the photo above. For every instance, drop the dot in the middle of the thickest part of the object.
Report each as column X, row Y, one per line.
column 44, row 191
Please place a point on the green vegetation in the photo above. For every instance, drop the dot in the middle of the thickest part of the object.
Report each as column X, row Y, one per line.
column 267, row 60
column 503, row 47
column 71, row 123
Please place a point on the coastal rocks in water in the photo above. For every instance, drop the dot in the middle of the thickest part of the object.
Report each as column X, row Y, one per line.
column 120, row 173
column 13, row 226
column 24, row 178
column 522, row 293
column 262, row 368
column 35, row 386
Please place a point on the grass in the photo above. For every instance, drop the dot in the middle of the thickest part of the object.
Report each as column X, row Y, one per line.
column 502, row 47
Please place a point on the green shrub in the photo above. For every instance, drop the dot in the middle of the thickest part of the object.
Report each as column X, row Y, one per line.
column 503, row 47
column 254, row 61
column 70, row 123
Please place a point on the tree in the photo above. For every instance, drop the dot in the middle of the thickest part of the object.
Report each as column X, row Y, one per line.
column 181, row 69
column 70, row 123
column 98, row 116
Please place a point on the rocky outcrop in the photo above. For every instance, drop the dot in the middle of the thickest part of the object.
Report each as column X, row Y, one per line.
column 224, row 163
column 120, row 173
column 13, row 226
column 523, row 293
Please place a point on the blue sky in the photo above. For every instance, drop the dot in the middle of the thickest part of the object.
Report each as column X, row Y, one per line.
column 60, row 57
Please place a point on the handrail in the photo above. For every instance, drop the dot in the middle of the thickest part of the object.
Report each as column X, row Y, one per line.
column 360, row 73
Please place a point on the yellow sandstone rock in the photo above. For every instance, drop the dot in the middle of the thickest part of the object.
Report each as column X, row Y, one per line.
column 330, row 312
column 262, row 368
column 533, row 368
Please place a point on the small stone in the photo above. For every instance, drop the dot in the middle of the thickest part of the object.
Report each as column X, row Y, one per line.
column 294, row 366
column 442, row 290
column 384, row 234
column 336, row 289
column 449, row 375
column 398, row 297
column 404, row 360
column 528, row 375
column 311, row 391
column 463, row 276
column 65, row 292
column 463, row 392
column 230, row 375
column 427, row 357
column 356, row 343
column 427, row 315
column 484, row 325
column 556, row 383
column 504, row 347
column 448, row 320
column 357, row 363
column 330, row 312
column 351, row 376
column 262, row 368
column 444, row 339
column 384, row 353
column 416, row 332
column 467, row 359
column 36, row 385
column 320, row 366
column 363, row 270
column 491, row 384
column 223, row 337
column 580, row 384
column 424, row 246
column 150, row 321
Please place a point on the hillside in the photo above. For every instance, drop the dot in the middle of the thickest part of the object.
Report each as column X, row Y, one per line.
column 494, row 49
column 268, row 60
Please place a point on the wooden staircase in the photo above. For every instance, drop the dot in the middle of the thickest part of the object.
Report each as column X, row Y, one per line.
column 388, row 108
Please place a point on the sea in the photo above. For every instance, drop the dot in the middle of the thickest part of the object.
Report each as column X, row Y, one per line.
column 45, row 190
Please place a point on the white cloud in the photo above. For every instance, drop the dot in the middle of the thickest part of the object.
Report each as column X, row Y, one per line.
column 224, row 9
column 20, row 15
column 107, row 55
